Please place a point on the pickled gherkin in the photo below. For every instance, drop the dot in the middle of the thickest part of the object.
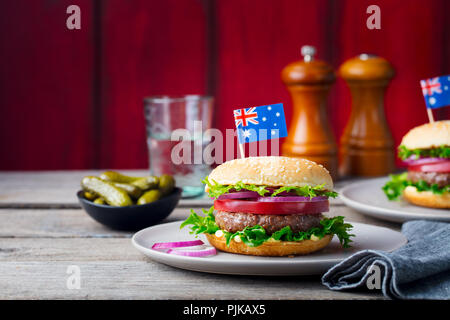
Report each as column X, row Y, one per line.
column 150, row 196
column 166, row 184
column 146, row 183
column 99, row 201
column 90, row 196
column 113, row 195
column 117, row 177
column 132, row 190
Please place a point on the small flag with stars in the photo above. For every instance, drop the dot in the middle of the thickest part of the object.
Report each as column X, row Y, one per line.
column 436, row 91
column 260, row 123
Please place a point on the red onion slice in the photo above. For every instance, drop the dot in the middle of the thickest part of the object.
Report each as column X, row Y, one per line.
column 413, row 161
column 239, row 195
column 194, row 253
column 281, row 194
column 285, row 194
column 178, row 244
column 253, row 195
column 292, row 199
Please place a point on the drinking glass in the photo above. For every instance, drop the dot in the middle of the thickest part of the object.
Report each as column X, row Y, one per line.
column 188, row 114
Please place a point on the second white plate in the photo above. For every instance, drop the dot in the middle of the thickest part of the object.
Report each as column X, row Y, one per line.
column 368, row 198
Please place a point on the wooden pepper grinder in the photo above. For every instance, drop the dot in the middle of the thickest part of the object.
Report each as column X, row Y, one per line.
column 367, row 146
column 310, row 135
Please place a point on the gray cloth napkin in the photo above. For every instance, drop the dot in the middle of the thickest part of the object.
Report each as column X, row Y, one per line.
column 418, row 270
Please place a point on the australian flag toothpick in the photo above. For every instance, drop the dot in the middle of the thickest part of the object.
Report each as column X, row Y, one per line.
column 260, row 123
column 436, row 91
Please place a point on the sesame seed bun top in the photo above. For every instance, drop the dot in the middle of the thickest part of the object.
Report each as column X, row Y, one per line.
column 428, row 136
column 272, row 171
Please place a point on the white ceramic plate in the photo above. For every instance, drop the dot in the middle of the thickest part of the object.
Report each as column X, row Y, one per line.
column 368, row 198
column 366, row 237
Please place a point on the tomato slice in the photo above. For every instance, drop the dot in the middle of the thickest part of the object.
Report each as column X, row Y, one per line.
column 257, row 207
column 441, row 166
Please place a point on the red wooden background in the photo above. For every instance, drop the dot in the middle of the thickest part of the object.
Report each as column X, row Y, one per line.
column 73, row 99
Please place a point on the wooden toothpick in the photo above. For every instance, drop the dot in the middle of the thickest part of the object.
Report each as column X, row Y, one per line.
column 241, row 149
column 430, row 115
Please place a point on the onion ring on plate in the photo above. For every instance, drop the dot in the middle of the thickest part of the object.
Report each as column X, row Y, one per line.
column 177, row 244
column 194, row 253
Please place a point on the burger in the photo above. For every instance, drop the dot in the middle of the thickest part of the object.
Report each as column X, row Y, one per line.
column 426, row 151
column 269, row 206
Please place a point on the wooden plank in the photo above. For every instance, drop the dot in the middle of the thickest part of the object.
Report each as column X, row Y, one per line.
column 68, row 223
column 52, row 224
column 82, row 249
column 112, row 269
column 45, row 188
column 57, row 189
column 46, row 84
column 147, row 280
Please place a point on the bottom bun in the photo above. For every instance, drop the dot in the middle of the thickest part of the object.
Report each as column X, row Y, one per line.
column 270, row 248
column 426, row 198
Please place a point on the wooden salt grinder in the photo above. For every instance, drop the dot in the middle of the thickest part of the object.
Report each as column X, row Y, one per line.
column 367, row 147
column 310, row 135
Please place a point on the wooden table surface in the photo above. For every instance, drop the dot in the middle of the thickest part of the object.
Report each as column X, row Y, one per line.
column 43, row 231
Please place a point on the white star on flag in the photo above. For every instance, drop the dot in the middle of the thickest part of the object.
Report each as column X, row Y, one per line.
column 246, row 133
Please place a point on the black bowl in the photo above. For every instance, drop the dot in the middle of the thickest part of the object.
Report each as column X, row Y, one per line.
column 131, row 218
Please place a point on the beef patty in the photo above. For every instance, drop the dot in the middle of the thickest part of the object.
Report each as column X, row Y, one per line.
column 237, row 221
column 440, row 178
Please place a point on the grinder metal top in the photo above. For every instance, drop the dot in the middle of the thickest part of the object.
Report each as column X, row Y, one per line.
column 308, row 70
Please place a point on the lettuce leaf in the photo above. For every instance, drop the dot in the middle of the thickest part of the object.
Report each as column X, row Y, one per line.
column 201, row 224
column 307, row 191
column 398, row 182
column 215, row 189
column 439, row 152
column 256, row 235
